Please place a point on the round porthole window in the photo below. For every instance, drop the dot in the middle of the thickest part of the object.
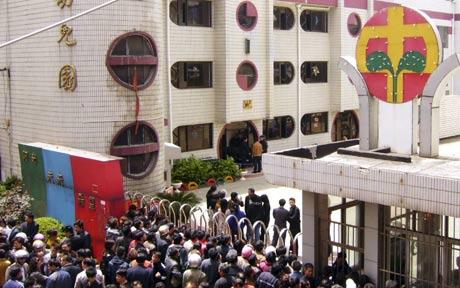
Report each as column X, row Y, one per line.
column 132, row 60
column 246, row 15
column 246, row 75
column 139, row 145
column 354, row 24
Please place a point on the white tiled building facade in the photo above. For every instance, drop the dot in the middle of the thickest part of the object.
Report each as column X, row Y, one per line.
column 34, row 108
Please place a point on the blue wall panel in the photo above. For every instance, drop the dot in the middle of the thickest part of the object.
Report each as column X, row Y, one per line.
column 59, row 186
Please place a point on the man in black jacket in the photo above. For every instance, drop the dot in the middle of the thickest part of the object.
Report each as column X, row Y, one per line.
column 281, row 216
column 294, row 218
column 69, row 267
column 253, row 207
column 80, row 231
column 115, row 264
column 30, row 227
column 140, row 273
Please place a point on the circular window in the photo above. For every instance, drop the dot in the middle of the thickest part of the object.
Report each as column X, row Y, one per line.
column 132, row 60
column 246, row 15
column 246, row 75
column 138, row 144
column 354, row 24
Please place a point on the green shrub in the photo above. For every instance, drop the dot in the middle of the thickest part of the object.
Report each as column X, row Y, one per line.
column 198, row 170
column 189, row 198
column 49, row 223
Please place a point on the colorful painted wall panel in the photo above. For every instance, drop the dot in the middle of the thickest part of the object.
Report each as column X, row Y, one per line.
column 33, row 176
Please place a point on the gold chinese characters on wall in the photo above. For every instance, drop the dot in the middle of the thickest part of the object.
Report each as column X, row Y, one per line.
column 68, row 77
column 247, row 104
column 66, row 35
column 63, row 3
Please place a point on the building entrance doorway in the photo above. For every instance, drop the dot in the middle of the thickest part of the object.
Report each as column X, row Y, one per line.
column 236, row 140
column 346, row 126
column 341, row 234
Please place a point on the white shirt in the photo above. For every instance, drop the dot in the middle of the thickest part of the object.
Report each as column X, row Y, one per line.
column 81, row 279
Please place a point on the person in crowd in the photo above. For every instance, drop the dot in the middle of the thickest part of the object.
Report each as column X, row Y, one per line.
column 210, row 266
column 79, row 228
column 14, row 279
column 4, row 263
column 264, row 143
column 29, row 226
column 68, row 265
column 116, row 263
column 193, row 275
column 59, row 277
column 309, row 275
column 140, row 273
column 254, row 209
column 294, row 218
column 257, row 151
column 176, row 255
column 281, row 216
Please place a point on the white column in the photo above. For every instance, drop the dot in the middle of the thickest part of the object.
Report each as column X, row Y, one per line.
column 308, row 227
column 371, row 240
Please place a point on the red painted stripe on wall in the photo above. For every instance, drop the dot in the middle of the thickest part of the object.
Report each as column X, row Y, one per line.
column 378, row 5
column 358, row 4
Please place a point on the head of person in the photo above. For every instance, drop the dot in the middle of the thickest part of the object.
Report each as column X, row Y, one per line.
column 308, row 270
column 91, row 274
column 223, row 269
column 121, row 276
column 194, row 261
column 251, row 191
column 88, row 263
column 156, row 257
column 277, row 271
column 21, row 256
column 54, row 265
column 29, row 217
column 66, row 248
column 292, row 202
column 296, row 266
column 234, row 195
column 68, row 231
column 282, row 202
column 38, row 246
column 15, row 273
column 18, row 242
column 141, row 258
column 79, row 226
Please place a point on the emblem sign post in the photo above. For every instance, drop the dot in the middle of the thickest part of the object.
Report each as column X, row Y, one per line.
column 397, row 51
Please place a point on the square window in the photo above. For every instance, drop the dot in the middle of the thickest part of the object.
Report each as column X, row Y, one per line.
column 314, row 72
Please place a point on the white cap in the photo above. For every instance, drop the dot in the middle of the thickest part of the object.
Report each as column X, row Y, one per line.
column 21, row 254
column 38, row 244
column 194, row 260
column 21, row 235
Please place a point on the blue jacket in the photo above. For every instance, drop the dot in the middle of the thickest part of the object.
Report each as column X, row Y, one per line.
column 267, row 280
column 58, row 279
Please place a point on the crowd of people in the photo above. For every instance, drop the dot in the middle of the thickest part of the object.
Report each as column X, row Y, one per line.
column 144, row 249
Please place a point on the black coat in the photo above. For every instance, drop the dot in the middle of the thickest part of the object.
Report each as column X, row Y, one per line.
column 281, row 216
column 294, row 220
column 253, row 208
column 141, row 274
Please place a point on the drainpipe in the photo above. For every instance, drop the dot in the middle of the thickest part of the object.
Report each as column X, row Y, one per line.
column 299, row 102
column 168, row 64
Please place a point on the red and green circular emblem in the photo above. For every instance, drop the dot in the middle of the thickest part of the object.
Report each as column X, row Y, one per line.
column 397, row 51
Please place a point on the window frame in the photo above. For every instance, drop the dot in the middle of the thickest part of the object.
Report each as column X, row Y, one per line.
column 177, row 140
column 182, row 16
column 182, row 75
column 285, row 10
column 279, row 71
column 281, row 122
column 256, row 16
column 239, row 80
column 324, row 15
column 125, row 151
column 358, row 18
column 305, row 71
column 324, row 116
column 133, row 60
